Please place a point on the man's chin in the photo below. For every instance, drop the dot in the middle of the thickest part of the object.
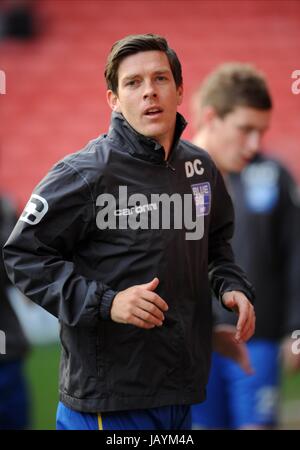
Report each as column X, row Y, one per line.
column 237, row 168
column 154, row 130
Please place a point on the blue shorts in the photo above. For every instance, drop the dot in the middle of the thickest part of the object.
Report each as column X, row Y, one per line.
column 234, row 399
column 14, row 402
column 162, row 418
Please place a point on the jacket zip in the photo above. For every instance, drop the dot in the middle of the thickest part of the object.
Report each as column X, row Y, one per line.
column 168, row 166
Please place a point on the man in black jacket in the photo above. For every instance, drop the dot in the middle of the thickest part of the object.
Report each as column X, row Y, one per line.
column 233, row 110
column 119, row 241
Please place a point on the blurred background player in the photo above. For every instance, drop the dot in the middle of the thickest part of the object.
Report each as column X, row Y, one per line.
column 14, row 395
column 231, row 112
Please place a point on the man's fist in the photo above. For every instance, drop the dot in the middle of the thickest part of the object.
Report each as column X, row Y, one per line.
column 140, row 306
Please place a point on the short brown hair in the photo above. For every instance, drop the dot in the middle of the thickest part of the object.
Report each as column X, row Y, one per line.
column 136, row 43
column 232, row 85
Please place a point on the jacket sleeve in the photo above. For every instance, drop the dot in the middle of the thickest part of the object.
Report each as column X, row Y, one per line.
column 288, row 222
column 224, row 274
column 38, row 254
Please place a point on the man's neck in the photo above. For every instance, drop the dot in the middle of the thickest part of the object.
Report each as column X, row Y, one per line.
column 167, row 148
column 203, row 139
column 167, row 143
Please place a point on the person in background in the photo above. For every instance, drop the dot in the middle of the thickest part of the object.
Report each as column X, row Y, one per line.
column 14, row 390
column 231, row 112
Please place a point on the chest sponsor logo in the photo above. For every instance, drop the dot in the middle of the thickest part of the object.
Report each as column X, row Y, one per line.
column 202, row 198
column 193, row 167
column 135, row 209
column 35, row 210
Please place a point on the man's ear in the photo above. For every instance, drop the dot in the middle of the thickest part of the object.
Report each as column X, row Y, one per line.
column 179, row 95
column 209, row 116
column 113, row 101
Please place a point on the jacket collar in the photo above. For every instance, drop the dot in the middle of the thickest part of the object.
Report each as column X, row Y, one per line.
column 141, row 146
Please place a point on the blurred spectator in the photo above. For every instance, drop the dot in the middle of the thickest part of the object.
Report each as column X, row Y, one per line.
column 14, row 396
column 232, row 110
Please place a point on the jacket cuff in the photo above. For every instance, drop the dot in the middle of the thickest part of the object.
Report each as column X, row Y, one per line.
column 106, row 302
column 249, row 293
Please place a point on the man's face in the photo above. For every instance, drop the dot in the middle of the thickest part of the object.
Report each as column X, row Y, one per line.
column 237, row 137
column 147, row 95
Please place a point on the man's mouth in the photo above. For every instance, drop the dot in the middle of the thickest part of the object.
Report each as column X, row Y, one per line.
column 247, row 159
column 153, row 111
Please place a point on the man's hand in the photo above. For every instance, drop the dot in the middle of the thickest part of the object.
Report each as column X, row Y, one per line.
column 224, row 342
column 238, row 302
column 139, row 306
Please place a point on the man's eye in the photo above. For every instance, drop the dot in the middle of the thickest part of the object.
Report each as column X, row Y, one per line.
column 246, row 129
column 131, row 83
column 161, row 78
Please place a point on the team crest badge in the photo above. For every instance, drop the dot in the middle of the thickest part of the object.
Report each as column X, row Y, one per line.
column 202, row 198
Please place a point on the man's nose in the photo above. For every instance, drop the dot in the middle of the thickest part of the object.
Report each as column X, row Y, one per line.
column 149, row 90
column 254, row 141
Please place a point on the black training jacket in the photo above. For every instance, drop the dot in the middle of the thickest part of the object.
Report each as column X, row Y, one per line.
column 59, row 256
column 266, row 244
